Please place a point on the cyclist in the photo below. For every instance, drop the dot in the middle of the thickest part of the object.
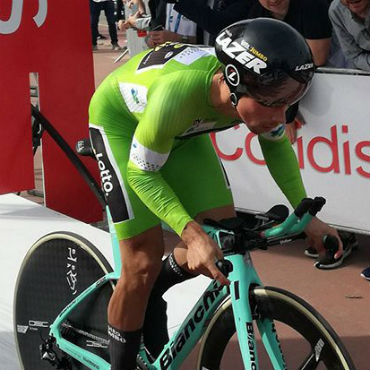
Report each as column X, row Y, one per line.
column 147, row 124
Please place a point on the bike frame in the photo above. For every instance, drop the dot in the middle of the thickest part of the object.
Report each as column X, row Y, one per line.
column 243, row 277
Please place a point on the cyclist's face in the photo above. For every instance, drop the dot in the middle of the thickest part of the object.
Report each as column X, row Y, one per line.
column 259, row 118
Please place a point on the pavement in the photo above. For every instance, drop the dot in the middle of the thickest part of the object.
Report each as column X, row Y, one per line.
column 340, row 295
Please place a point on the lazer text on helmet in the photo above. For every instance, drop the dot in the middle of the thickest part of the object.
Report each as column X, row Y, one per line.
column 238, row 52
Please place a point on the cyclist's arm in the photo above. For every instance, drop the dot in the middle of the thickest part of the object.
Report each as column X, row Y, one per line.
column 283, row 165
column 169, row 111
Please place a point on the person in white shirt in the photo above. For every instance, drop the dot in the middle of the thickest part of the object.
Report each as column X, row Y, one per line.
column 177, row 27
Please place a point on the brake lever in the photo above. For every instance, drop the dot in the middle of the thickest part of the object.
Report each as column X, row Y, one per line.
column 317, row 205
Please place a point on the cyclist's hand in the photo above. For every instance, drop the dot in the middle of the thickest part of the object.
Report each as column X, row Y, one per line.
column 159, row 37
column 316, row 230
column 203, row 252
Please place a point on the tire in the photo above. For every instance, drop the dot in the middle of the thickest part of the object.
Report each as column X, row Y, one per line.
column 290, row 313
column 46, row 284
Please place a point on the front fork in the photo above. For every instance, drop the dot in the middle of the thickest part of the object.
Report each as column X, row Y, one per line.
column 243, row 278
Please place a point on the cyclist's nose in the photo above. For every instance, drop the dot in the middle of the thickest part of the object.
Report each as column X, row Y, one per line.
column 279, row 113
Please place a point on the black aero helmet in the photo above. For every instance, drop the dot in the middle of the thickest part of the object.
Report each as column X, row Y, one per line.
column 265, row 59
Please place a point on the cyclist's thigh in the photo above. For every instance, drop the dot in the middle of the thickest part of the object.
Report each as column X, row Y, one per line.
column 216, row 213
column 112, row 149
column 196, row 175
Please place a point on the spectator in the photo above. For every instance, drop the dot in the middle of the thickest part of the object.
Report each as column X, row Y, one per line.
column 211, row 16
column 158, row 13
column 310, row 18
column 138, row 18
column 177, row 27
column 351, row 24
column 336, row 57
column 96, row 6
column 120, row 11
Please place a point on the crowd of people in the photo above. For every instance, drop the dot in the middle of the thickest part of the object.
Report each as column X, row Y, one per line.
column 337, row 31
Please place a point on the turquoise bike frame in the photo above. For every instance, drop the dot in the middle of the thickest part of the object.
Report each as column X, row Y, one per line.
column 243, row 278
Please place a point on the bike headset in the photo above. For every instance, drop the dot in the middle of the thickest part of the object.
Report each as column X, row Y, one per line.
column 265, row 59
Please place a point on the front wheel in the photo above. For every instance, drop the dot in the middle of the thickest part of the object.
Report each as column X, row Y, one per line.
column 318, row 346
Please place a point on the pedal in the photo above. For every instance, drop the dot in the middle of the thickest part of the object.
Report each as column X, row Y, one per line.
column 47, row 353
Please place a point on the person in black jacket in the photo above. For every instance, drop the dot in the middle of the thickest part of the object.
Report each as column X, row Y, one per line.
column 311, row 19
column 211, row 16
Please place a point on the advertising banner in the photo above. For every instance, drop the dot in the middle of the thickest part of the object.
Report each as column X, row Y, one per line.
column 50, row 39
column 333, row 150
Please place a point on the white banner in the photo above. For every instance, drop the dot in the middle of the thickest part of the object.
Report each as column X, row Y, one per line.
column 333, row 149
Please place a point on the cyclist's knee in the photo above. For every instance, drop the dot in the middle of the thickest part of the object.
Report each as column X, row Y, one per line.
column 141, row 261
column 140, row 272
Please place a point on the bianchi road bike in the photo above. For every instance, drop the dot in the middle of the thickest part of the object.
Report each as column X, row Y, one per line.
column 65, row 283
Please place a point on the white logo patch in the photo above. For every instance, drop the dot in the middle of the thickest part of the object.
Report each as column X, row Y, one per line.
column 146, row 159
column 303, row 67
column 22, row 329
column 190, row 55
column 275, row 134
column 318, row 349
column 135, row 96
column 232, row 75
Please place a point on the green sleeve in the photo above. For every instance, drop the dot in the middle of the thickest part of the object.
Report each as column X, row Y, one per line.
column 173, row 104
column 158, row 196
column 283, row 166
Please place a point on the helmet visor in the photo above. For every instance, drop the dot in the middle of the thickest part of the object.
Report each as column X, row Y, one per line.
column 277, row 90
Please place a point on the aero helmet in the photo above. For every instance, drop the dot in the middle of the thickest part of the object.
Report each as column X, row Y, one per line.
column 265, row 59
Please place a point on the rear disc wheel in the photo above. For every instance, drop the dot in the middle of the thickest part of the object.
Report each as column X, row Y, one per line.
column 57, row 268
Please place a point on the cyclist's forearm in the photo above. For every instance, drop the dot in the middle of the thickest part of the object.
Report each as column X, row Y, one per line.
column 283, row 166
column 158, row 196
column 191, row 232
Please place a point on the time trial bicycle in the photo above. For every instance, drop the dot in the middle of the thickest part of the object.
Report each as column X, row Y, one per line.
column 65, row 283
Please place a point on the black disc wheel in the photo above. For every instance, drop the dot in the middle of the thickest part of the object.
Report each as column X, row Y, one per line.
column 307, row 340
column 57, row 268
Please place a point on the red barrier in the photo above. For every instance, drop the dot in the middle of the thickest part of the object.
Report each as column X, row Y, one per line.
column 52, row 38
